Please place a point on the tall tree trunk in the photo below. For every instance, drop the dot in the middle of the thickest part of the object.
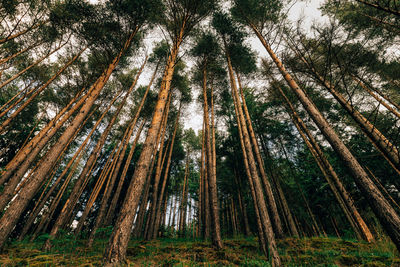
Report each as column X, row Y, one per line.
column 12, row 214
column 159, row 167
column 380, row 7
column 18, row 34
column 110, row 174
column 7, row 107
column 37, row 92
column 31, row 66
column 5, row 60
column 27, row 154
column 115, row 252
column 265, row 220
column 157, row 217
column 276, row 222
column 242, row 205
column 182, row 208
column 340, row 192
column 380, row 101
column 103, row 206
column 388, row 150
column 212, row 179
column 387, row 216
column 20, row 174
column 84, row 177
column 43, row 198
column 111, row 210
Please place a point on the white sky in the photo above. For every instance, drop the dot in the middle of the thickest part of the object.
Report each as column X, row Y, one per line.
column 306, row 9
column 192, row 116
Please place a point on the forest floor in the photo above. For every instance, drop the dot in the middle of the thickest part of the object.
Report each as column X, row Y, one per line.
column 183, row 252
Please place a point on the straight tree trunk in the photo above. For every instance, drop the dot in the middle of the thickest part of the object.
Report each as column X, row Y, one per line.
column 103, row 206
column 114, row 201
column 159, row 167
column 7, row 107
column 212, row 179
column 13, row 36
column 27, row 154
column 388, row 150
column 84, row 177
column 110, row 173
column 182, row 208
column 113, row 204
column 5, row 60
column 242, row 205
column 380, row 7
column 20, row 174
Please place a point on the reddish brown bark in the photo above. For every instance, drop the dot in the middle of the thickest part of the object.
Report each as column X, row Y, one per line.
column 10, row 217
column 388, row 217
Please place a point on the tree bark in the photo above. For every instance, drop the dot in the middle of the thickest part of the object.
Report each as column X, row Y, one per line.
column 387, row 216
column 115, row 252
column 157, row 217
column 276, row 222
column 11, row 37
column 265, row 220
column 340, row 192
column 10, row 217
column 84, row 177
column 159, row 167
column 212, row 179
column 31, row 66
column 37, row 92
column 388, row 150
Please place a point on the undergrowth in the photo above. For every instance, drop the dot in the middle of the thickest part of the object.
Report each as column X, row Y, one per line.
column 318, row 251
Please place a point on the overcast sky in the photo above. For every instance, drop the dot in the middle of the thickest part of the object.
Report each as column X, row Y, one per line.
column 192, row 116
column 306, row 9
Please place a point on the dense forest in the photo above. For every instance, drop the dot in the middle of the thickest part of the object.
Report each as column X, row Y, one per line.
column 298, row 144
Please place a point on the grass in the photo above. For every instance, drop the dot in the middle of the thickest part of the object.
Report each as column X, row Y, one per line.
column 183, row 252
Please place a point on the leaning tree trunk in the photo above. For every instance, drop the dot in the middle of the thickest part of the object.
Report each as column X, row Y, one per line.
column 113, row 203
column 158, row 208
column 103, row 206
column 265, row 220
column 18, row 34
column 380, row 101
column 83, row 178
column 37, row 92
column 11, row 216
column 276, row 222
column 159, row 167
column 388, row 150
column 340, row 192
column 109, row 175
column 30, row 66
column 115, row 252
column 5, row 60
column 261, row 237
column 386, row 214
column 29, row 157
column 27, row 154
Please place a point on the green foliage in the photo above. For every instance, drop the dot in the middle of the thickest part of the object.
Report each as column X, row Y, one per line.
column 257, row 12
column 179, row 252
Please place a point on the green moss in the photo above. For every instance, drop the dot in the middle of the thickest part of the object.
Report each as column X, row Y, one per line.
column 181, row 252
